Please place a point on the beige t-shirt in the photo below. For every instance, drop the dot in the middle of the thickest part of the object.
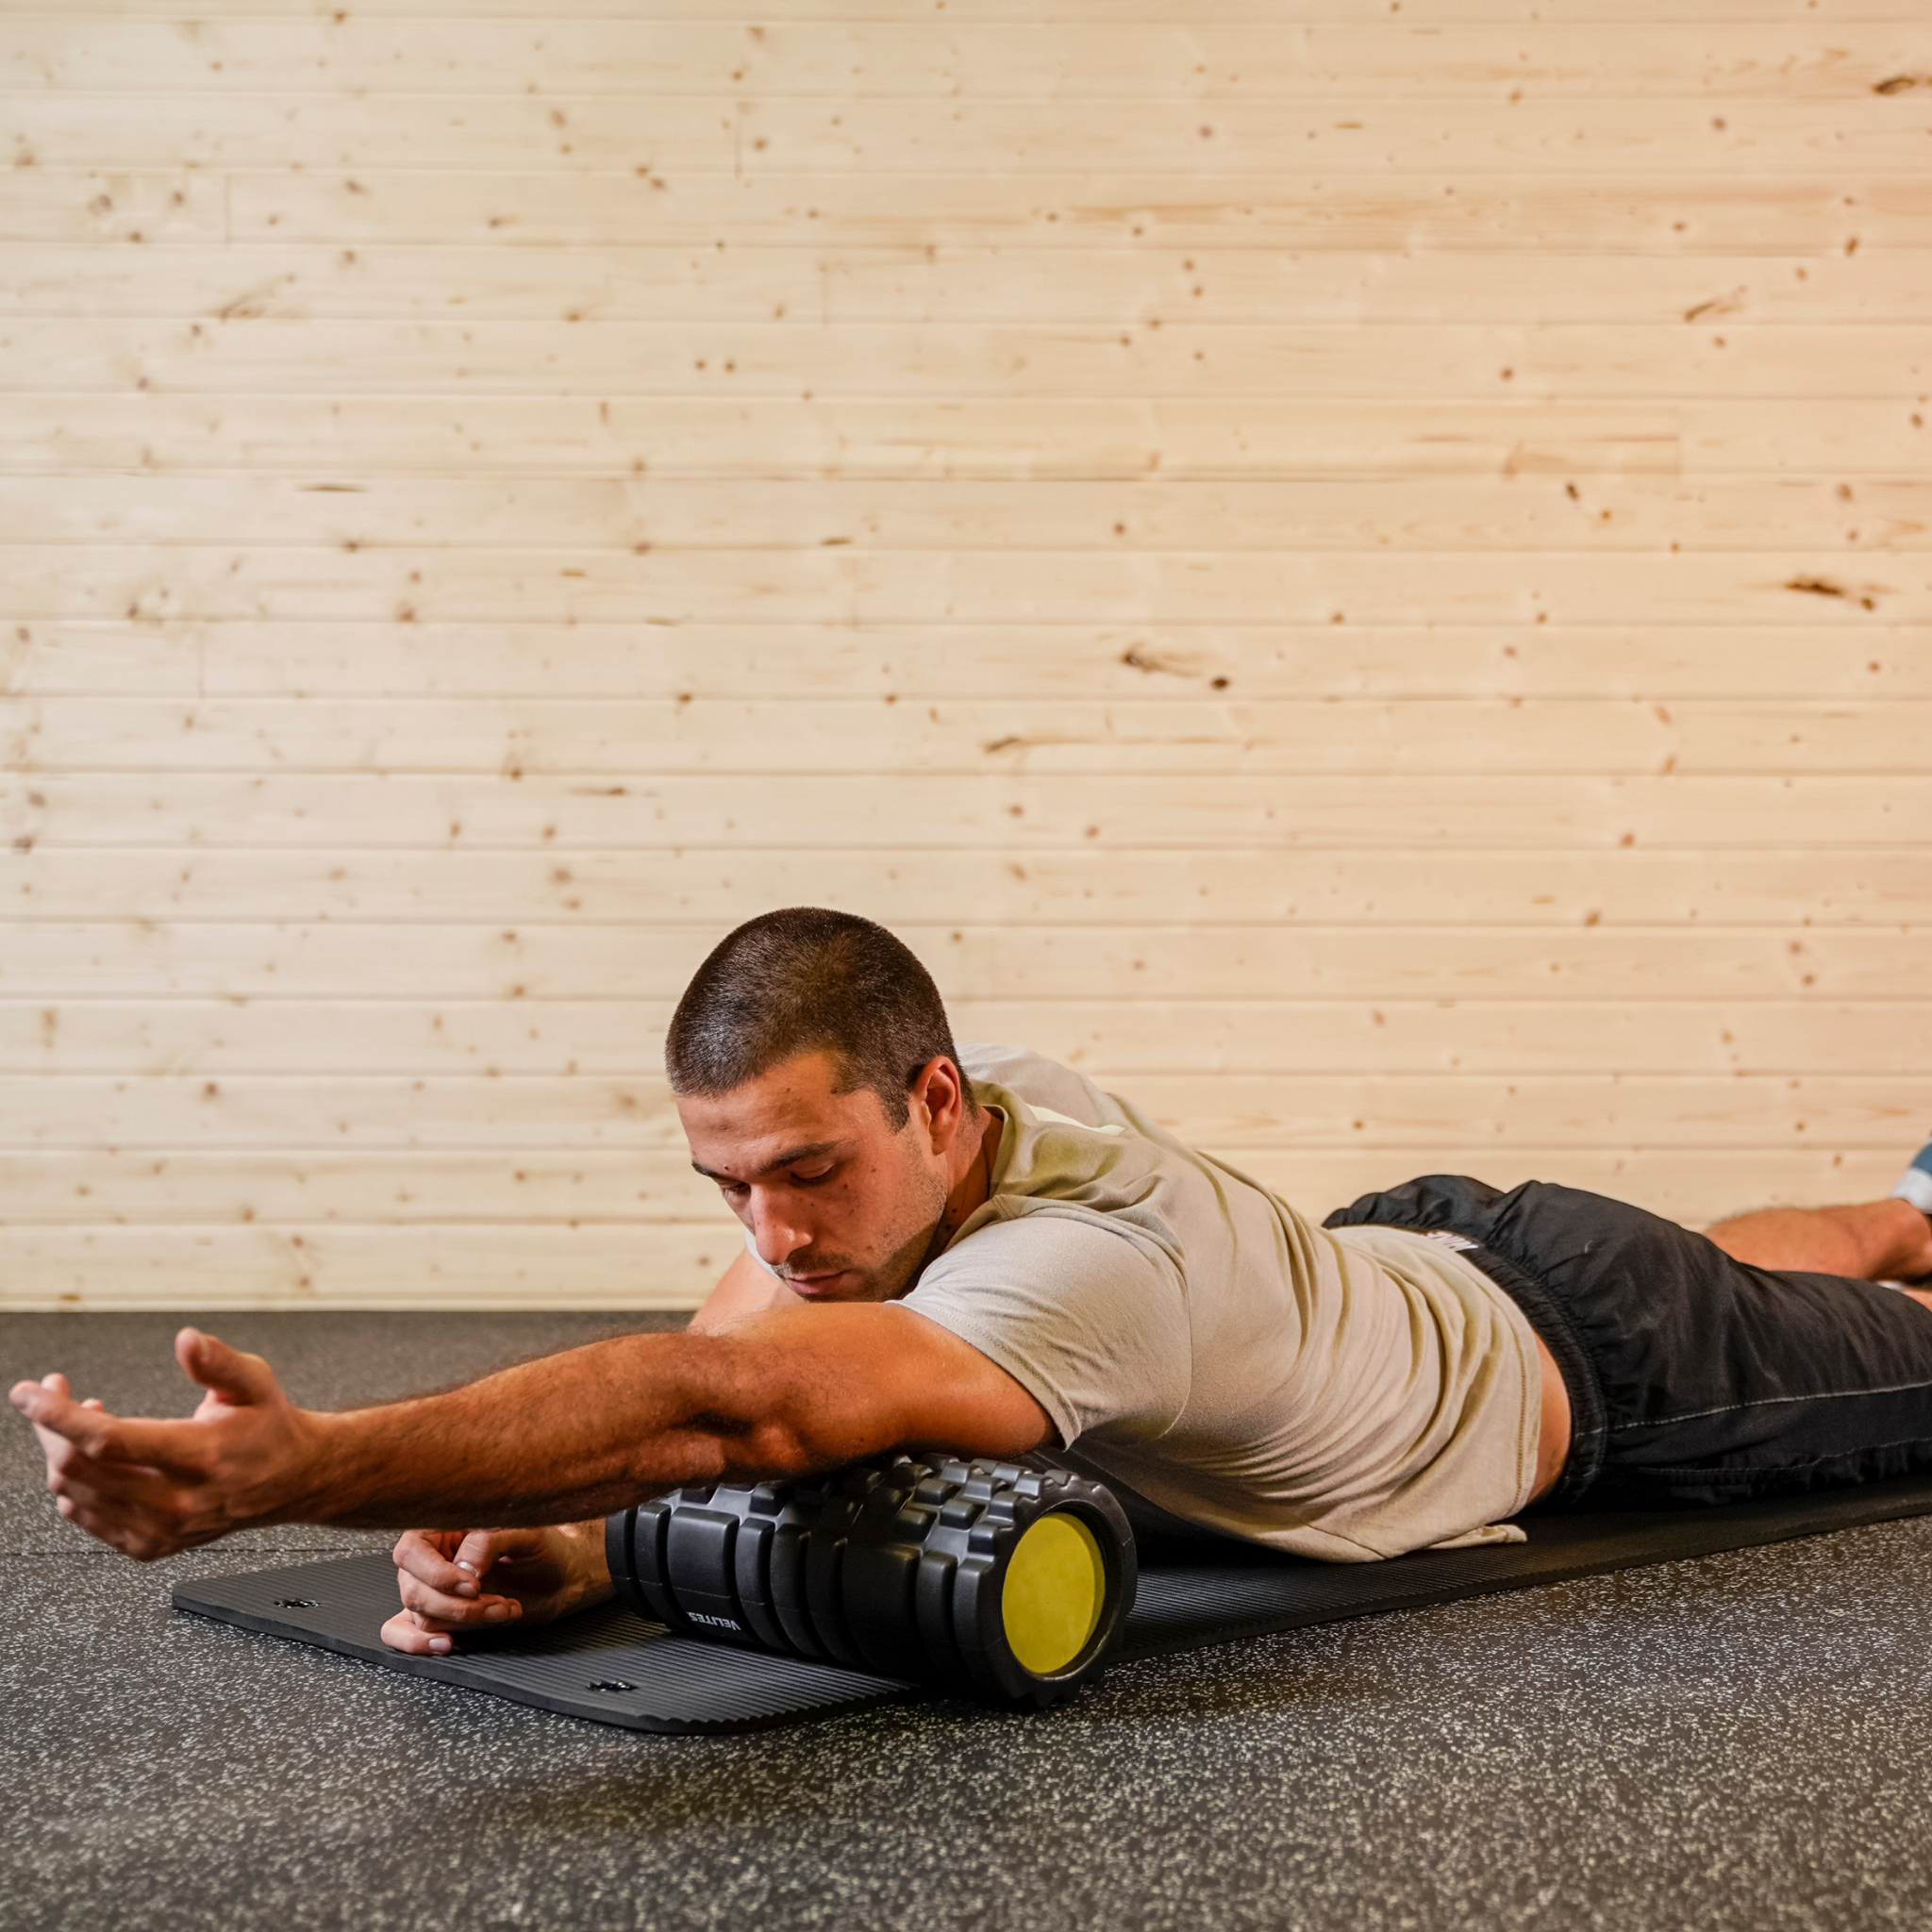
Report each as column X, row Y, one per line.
column 1347, row 1395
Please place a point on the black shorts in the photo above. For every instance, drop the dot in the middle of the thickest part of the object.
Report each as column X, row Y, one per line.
column 1692, row 1378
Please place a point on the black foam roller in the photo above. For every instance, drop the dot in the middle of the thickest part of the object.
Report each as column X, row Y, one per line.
column 895, row 1566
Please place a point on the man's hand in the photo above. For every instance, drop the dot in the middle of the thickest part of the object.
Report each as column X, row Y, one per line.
column 154, row 1488
column 535, row 1576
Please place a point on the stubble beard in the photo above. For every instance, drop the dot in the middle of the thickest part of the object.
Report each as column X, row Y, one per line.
column 895, row 1274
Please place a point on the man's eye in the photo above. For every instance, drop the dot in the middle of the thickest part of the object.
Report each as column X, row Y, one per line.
column 812, row 1180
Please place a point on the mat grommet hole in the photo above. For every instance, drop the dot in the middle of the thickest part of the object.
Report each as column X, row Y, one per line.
column 611, row 1683
column 298, row 1603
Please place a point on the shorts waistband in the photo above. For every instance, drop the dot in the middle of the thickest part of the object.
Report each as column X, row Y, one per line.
column 1551, row 1320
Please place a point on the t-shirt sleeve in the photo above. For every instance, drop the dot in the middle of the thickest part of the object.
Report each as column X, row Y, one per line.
column 1091, row 1323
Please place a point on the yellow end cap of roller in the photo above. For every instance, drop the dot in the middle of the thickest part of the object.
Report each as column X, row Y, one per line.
column 1056, row 1589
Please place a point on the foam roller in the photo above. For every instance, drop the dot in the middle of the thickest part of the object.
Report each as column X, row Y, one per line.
column 998, row 1581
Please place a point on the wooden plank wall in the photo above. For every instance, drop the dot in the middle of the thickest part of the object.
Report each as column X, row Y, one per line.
column 1360, row 569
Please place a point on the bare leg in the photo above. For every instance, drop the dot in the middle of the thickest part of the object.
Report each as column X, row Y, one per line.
column 1878, row 1240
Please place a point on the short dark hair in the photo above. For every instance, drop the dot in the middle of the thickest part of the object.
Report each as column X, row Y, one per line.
column 806, row 980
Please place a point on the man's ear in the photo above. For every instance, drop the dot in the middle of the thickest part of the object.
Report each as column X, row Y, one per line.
column 940, row 1089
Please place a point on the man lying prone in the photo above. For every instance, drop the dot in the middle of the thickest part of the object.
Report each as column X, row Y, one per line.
column 979, row 1248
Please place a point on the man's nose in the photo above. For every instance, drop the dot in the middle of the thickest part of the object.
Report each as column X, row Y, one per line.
column 776, row 1233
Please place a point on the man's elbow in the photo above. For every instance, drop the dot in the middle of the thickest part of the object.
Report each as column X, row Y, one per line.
column 753, row 1411
column 733, row 1444
column 740, row 1449
column 793, row 1442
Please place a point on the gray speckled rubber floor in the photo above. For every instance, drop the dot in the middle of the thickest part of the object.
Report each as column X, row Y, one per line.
column 1744, row 1742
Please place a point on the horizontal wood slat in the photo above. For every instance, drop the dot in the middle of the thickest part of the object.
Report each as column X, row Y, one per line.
column 1642, row 362
column 1217, row 1113
column 1117, row 1042
column 1636, row 215
column 1105, row 60
column 1017, row 816
column 242, row 657
column 1137, row 738
column 1639, row 216
column 635, row 1193
column 411, row 1266
column 779, row 138
column 1523, row 513
column 1123, row 439
column 1268, row 13
column 818, row 288
column 566, row 436
column 854, row 586
column 1260, row 888
column 534, row 960
column 1212, row 1111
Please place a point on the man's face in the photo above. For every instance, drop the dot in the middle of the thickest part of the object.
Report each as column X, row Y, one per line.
column 839, row 1202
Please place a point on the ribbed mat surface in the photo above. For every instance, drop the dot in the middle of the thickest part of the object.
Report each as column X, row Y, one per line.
column 613, row 1667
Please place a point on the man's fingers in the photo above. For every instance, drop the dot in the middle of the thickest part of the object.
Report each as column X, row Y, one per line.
column 142, row 1530
column 480, row 1548
column 236, row 1378
column 421, row 1635
column 178, row 1450
column 120, row 1493
column 447, row 1586
column 37, row 1401
column 402, row 1632
column 436, row 1582
column 459, row 1612
column 135, row 1506
column 50, row 1407
column 419, row 1553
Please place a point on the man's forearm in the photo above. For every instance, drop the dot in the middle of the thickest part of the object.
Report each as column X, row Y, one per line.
column 567, row 1438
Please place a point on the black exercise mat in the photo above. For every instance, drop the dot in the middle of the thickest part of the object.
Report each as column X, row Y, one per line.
column 606, row 1663
column 611, row 1666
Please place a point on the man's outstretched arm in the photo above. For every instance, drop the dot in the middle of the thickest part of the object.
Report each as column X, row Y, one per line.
column 565, row 1438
